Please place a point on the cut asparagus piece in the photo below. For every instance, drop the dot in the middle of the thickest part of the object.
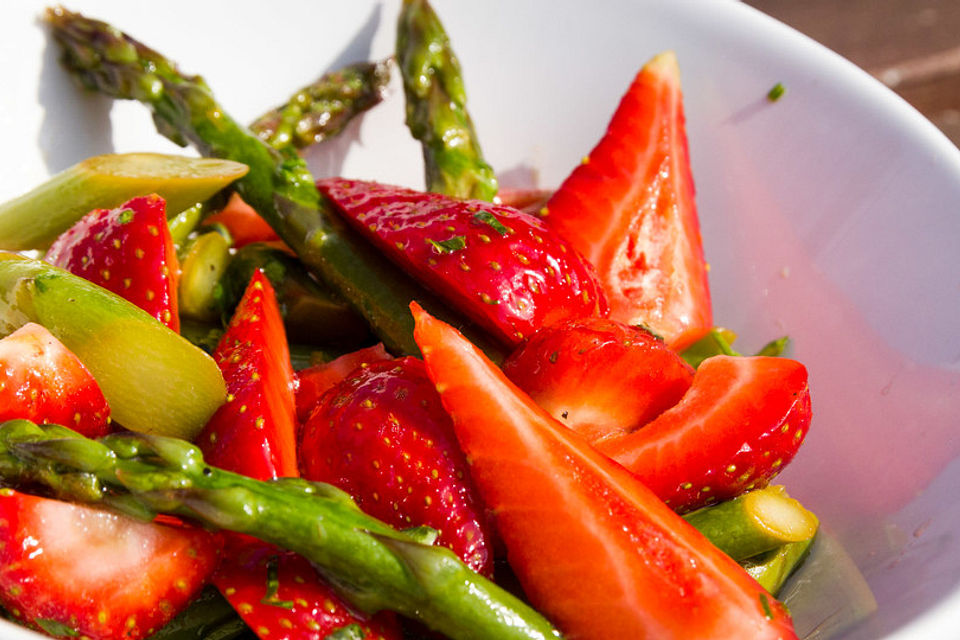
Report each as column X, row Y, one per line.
column 201, row 268
column 321, row 110
column 35, row 219
column 278, row 186
column 755, row 522
column 771, row 569
column 154, row 380
column 373, row 566
column 437, row 106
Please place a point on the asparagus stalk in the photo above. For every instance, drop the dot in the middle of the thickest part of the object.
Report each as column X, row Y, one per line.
column 278, row 185
column 372, row 565
column 35, row 219
column 201, row 268
column 772, row 568
column 755, row 522
column 154, row 380
column 437, row 106
column 322, row 110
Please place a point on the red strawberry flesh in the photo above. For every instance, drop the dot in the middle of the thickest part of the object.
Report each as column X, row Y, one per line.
column 502, row 268
column 739, row 425
column 127, row 250
column 599, row 377
column 382, row 436
column 254, row 432
column 42, row 381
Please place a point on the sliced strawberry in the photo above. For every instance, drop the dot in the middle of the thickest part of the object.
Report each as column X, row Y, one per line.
column 127, row 250
column 42, row 381
column 314, row 381
column 502, row 268
column 84, row 572
column 243, row 222
column 629, row 209
column 382, row 436
column 594, row 549
column 599, row 377
column 254, row 432
column 279, row 595
column 737, row 427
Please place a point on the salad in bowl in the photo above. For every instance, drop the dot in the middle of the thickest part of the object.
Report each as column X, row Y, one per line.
column 270, row 393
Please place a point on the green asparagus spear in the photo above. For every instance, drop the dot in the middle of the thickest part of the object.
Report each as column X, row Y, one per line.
column 437, row 106
column 209, row 617
column 771, row 569
column 754, row 523
column 322, row 109
column 35, row 219
column 205, row 261
column 154, row 380
column 278, row 185
column 372, row 565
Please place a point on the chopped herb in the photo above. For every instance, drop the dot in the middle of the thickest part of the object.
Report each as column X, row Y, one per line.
column 774, row 347
column 488, row 218
column 125, row 216
column 349, row 632
column 56, row 628
column 765, row 603
column 776, row 92
column 273, row 586
column 450, row 245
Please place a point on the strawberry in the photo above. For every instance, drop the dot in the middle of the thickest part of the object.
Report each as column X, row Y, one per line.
column 629, row 209
column 243, row 222
column 254, row 432
column 594, row 549
column 314, row 381
column 42, row 381
column 79, row 571
column 382, row 436
column 738, row 426
column 127, row 250
column 500, row 267
column 280, row 596
column 599, row 377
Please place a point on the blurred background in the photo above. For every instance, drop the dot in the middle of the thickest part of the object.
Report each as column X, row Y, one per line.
column 912, row 46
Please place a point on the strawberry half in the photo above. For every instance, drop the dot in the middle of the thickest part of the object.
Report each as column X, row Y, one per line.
column 314, row 381
column 382, row 436
column 279, row 595
column 41, row 380
column 500, row 267
column 594, row 549
column 599, row 377
column 254, row 432
column 78, row 571
column 738, row 426
column 127, row 250
column 629, row 209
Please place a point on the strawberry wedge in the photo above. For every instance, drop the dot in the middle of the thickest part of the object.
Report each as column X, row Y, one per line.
column 629, row 209
column 740, row 423
column 502, row 268
column 43, row 381
column 595, row 550
column 127, row 250
column 254, row 432
column 82, row 572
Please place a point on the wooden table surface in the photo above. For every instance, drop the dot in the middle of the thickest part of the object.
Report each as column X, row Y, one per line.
column 912, row 46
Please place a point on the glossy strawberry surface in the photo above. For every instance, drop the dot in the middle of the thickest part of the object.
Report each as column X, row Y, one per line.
column 598, row 376
column 78, row 571
column 127, row 250
column 741, row 422
column 383, row 437
column 502, row 268
column 42, row 381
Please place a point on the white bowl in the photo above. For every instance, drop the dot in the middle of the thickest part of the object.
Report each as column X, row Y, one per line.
column 830, row 215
